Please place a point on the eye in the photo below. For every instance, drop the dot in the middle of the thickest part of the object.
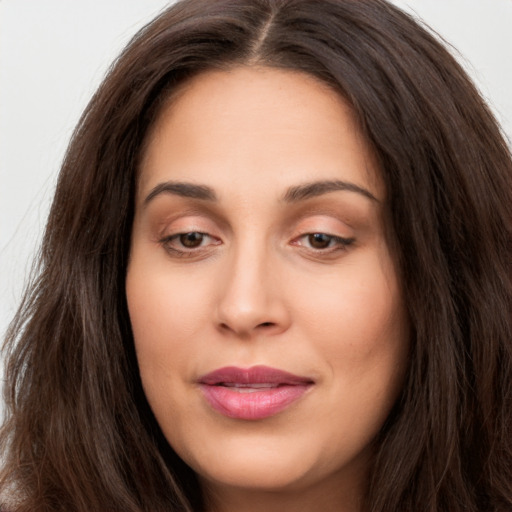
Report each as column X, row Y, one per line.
column 320, row 240
column 323, row 242
column 191, row 240
column 184, row 244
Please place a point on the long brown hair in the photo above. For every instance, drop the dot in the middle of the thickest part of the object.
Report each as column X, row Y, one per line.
column 79, row 435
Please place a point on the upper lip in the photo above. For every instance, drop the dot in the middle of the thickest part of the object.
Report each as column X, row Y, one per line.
column 253, row 375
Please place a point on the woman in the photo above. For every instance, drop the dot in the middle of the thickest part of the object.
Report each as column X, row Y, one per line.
column 276, row 274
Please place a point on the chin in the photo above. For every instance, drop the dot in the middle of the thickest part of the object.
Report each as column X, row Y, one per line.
column 260, row 471
column 267, row 462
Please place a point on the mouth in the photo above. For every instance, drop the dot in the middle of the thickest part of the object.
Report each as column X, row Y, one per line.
column 253, row 393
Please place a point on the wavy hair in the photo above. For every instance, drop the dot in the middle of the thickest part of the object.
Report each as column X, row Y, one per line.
column 79, row 435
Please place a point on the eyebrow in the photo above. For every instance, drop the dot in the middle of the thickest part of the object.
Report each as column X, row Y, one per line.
column 318, row 188
column 182, row 189
column 292, row 195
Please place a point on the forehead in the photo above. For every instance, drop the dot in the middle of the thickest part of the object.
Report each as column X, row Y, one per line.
column 277, row 126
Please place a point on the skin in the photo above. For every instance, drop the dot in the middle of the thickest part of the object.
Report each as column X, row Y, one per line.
column 259, row 290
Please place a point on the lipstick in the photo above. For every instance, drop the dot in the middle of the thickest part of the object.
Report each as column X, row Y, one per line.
column 252, row 393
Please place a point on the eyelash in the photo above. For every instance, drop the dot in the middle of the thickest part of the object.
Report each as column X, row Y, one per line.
column 335, row 243
column 167, row 242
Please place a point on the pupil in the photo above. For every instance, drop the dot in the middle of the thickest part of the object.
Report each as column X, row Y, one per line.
column 319, row 240
column 193, row 239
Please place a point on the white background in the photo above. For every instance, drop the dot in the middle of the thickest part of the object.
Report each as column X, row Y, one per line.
column 54, row 53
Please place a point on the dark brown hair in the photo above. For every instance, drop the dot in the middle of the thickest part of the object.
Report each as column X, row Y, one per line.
column 79, row 435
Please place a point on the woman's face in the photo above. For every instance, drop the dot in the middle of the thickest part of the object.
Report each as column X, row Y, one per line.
column 269, row 324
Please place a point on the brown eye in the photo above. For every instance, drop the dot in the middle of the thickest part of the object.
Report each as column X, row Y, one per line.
column 192, row 239
column 189, row 244
column 320, row 240
column 323, row 243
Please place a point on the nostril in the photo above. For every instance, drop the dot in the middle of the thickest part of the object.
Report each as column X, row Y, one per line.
column 266, row 324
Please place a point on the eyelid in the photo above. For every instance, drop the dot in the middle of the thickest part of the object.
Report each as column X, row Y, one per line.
column 168, row 236
column 183, row 214
column 333, row 216
column 327, row 223
column 168, row 231
column 182, row 251
column 185, row 222
column 178, row 235
column 340, row 243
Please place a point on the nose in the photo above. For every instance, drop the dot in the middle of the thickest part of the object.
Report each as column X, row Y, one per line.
column 251, row 298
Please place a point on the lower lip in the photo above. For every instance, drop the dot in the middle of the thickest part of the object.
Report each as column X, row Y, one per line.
column 252, row 405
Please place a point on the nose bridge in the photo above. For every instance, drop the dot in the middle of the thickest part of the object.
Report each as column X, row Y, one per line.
column 249, row 297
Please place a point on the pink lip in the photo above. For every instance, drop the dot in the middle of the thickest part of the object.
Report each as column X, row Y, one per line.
column 252, row 393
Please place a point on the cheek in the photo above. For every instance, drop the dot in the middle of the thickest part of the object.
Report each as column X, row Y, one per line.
column 358, row 307
column 163, row 306
column 166, row 318
column 358, row 325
